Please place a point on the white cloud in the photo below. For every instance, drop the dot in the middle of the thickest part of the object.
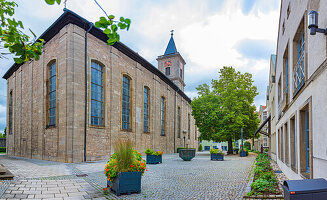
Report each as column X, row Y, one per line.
column 206, row 36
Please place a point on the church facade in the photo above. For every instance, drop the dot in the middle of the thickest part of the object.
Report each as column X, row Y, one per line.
column 82, row 95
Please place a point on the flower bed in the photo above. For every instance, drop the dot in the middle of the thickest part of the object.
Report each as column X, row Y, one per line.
column 264, row 181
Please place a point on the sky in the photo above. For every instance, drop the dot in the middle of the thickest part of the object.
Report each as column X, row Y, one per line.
column 209, row 34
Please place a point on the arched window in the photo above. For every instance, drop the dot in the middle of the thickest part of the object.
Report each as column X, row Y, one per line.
column 97, row 97
column 178, row 122
column 163, row 115
column 126, row 103
column 189, row 126
column 167, row 71
column 10, row 112
column 146, row 109
column 52, row 94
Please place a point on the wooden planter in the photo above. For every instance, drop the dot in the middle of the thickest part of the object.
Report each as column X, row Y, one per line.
column 187, row 154
column 216, row 156
column 126, row 183
column 152, row 159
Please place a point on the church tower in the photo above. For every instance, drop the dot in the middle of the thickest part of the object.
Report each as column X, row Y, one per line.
column 172, row 64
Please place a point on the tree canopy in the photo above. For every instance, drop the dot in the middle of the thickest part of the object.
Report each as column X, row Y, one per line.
column 222, row 110
column 13, row 38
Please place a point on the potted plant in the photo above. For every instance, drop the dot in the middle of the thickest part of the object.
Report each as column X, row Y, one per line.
column 153, row 157
column 187, row 154
column 244, row 153
column 236, row 150
column 216, row 154
column 124, row 169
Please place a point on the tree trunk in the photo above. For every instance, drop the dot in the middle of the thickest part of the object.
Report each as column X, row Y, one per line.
column 230, row 146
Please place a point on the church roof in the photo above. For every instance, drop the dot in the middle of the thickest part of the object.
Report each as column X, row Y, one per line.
column 171, row 48
column 69, row 17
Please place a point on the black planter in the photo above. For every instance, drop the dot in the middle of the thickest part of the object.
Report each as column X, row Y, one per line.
column 217, row 156
column 187, row 154
column 152, row 159
column 126, row 183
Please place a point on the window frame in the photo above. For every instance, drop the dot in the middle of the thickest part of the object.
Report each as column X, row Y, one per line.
column 178, row 122
column 148, row 109
column 48, row 108
column 162, row 116
column 10, row 113
column 103, row 94
column 130, row 95
column 167, row 69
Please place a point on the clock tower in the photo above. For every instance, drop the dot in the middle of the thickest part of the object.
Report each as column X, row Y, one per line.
column 172, row 64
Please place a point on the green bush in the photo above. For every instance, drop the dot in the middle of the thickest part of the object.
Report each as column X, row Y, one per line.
column 200, row 147
column 149, row 151
column 247, row 145
column 261, row 185
column 3, row 149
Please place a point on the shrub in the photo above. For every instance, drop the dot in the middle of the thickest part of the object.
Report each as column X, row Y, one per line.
column 200, row 147
column 125, row 159
column 216, row 151
column 266, row 150
column 247, row 145
column 261, row 185
column 149, row 151
column 3, row 149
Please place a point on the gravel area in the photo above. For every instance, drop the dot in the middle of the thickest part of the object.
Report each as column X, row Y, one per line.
column 173, row 179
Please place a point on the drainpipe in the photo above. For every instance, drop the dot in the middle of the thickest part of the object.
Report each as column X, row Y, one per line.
column 85, row 114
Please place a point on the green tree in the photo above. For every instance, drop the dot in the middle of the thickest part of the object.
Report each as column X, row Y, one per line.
column 13, row 38
column 221, row 111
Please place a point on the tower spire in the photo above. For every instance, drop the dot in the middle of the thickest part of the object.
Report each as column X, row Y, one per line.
column 171, row 47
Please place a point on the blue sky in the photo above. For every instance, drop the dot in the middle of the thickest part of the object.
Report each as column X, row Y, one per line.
column 209, row 34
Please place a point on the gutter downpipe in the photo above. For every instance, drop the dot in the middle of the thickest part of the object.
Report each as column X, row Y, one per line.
column 85, row 114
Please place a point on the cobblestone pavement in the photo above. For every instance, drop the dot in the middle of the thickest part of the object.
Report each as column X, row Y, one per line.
column 173, row 179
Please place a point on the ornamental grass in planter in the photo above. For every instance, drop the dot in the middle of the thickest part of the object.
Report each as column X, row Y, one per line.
column 153, row 157
column 124, row 169
column 264, row 180
column 216, row 154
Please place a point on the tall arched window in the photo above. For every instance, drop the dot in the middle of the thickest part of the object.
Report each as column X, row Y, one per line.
column 10, row 113
column 178, row 122
column 126, row 103
column 146, row 109
column 97, row 97
column 189, row 126
column 162, row 115
column 52, row 94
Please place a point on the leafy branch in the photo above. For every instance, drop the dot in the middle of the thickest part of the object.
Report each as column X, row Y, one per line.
column 24, row 49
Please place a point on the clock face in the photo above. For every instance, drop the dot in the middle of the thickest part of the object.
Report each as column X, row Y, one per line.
column 168, row 63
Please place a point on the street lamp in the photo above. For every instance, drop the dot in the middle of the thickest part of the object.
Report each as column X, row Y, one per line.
column 313, row 23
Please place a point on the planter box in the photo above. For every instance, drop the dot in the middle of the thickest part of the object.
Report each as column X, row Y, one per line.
column 187, row 154
column 152, row 159
column 217, row 157
column 243, row 153
column 126, row 183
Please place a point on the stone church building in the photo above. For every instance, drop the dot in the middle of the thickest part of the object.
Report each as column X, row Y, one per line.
column 73, row 103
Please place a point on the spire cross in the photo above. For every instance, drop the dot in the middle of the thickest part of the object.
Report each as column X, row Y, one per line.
column 172, row 32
